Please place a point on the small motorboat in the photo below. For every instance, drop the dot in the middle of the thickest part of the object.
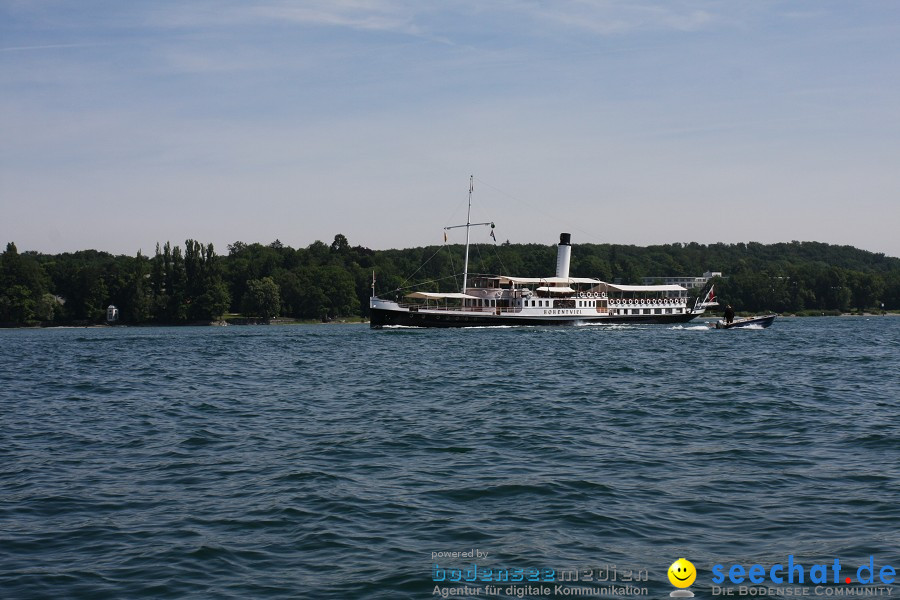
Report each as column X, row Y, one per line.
column 761, row 322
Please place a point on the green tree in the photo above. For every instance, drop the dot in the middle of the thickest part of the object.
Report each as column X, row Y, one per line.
column 178, row 306
column 868, row 290
column 46, row 307
column 340, row 244
column 339, row 293
column 214, row 300
column 23, row 282
column 262, row 298
column 207, row 294
column 16, row 305
column 138, row 306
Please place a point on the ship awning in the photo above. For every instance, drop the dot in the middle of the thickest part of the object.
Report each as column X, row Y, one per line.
column 644, row 288
column 556, row 290
column 438, row 296
column 546, row 280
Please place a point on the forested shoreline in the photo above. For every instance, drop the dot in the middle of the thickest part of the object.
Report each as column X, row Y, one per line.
column 323, row 281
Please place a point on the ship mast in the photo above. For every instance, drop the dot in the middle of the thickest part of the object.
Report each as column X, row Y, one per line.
column 467, row 226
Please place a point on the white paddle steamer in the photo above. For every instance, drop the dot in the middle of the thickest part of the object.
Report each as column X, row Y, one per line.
column 496, row 300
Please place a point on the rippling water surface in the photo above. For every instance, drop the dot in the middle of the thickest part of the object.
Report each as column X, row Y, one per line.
column 332, row 461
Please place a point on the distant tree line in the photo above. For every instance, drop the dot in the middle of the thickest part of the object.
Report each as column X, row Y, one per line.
column 325, row 282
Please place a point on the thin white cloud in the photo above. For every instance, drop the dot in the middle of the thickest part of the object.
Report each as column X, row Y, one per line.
column 49, row 47
column 369, row 16
column 609, row 17
column 414, row 18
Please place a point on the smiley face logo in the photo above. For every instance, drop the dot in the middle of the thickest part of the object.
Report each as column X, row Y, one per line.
column 682, row 573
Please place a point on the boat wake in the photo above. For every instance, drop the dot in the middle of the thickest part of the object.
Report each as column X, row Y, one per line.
column 603, row 325
column 691, row 327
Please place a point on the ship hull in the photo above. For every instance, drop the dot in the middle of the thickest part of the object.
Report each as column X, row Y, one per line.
column 380, row 317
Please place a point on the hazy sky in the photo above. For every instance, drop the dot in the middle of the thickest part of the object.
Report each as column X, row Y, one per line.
column 632, row 122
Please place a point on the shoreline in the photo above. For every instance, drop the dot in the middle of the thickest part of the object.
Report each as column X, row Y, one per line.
column 223, row 323
column 279, row 322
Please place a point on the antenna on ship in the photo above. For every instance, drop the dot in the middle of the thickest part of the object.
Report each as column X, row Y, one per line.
column 467, row 226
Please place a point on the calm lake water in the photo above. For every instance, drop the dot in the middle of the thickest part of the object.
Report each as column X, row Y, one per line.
column 333, row 461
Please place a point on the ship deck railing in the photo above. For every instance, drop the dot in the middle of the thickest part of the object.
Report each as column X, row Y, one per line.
column 491, row 310
column 647, row 302
column 611, row 303
column 481, row 309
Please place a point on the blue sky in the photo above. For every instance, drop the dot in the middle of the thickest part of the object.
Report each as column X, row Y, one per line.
column 127, row 123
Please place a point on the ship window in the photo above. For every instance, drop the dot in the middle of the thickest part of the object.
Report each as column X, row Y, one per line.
column 657, row 311
column 646, row 311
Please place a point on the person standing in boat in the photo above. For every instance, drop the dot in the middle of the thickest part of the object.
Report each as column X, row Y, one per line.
column 729, row 314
